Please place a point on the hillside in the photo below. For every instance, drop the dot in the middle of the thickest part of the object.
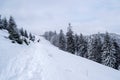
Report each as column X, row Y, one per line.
column 112, row 35
column 43, row 61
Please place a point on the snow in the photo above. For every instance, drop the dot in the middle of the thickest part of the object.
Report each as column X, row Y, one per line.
column 43, row 61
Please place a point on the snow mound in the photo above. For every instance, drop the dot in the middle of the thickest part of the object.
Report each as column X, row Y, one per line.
column 43, row 61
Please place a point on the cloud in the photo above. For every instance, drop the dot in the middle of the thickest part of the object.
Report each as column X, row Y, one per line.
column 86, row 16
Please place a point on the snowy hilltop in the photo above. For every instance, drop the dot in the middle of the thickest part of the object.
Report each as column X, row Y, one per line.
column 43, row 61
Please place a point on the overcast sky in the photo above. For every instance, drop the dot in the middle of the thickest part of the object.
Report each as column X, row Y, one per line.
column 86, row 16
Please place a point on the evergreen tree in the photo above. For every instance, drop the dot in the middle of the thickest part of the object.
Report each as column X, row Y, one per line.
column 30, row 36
column 33, row 38
column 5, row 23
column 26, row 34
column 12, row 25
column 70, row 41
column 62, row 41
column 76, row 39
column 1, row 26
column 117, row 48
column 82, row 46
column 99, row 49
column 26, row 42
column 13, row 31
column 95, row 50
column 46, row 35
column 52, row 34
column 22, row 32
column 109, row 52
column 49, row 35
column 54, row 39
column 90, row 41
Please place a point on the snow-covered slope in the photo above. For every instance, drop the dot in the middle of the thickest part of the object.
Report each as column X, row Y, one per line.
column 42, row 61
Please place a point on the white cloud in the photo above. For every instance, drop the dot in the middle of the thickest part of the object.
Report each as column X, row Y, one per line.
column 87, row 16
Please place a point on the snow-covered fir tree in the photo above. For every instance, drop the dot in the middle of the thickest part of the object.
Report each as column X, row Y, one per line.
column 13, row 30
column 82, row 46
column 4, row 23
column 62, row 41
column 94, row 49
column 76, row 39
column 70, row 40
column 109, row 52
column 30, row 36
column 45, row 35
column 90, row 47
column 12, row 25
column 54, row 38
column 117, row 48
column 26, row 34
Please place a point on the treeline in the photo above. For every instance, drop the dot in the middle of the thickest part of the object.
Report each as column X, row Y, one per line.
column 101, row 48
column 16, row 35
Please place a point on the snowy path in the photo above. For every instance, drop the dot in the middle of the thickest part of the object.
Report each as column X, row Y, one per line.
column 42, row 61
column 23, row 67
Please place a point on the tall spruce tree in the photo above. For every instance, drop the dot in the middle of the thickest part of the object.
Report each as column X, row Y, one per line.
column 62, row 41
column 4, row 23
column 70, row 41
column 26, row 34
column 95, row 49
column 117, row 48
column 82, row 46
column 99, row 49
column 76, row 39
column 109, row 52
column 12, row 25
column 13, row 31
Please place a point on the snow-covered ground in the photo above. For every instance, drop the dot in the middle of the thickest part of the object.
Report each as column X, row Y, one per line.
column 43, row 61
